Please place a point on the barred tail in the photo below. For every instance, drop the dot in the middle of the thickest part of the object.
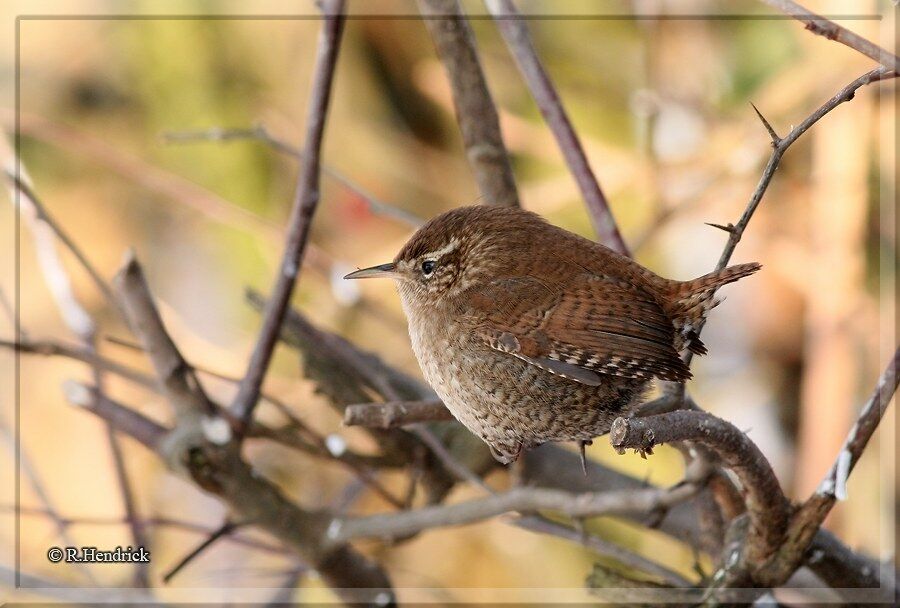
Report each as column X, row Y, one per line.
column 691, row 300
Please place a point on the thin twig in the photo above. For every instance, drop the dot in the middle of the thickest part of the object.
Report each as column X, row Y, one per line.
column 521, row 500
column 38, row 212
column 305, row 202
column 515, row 31
column 222, row 531
column 824, row 27
column 475, row 109
column 809, row 517
column 259, row 133
column 779, row 147
column 152, row 522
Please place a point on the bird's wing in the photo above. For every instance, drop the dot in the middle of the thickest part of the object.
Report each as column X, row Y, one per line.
column 590, row 327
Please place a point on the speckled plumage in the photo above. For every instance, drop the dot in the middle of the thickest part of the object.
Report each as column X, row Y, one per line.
column 530, row 333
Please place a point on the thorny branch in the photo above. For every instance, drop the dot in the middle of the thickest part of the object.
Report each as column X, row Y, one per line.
column 305, row 202
column 475, row 109
column 515, row 31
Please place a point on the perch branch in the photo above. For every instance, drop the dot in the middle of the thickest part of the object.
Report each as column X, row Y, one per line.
column 475, row 109
column 305, row 202
column 394, row 414
column 832, row 31
column 767, row 506
column 515, row 31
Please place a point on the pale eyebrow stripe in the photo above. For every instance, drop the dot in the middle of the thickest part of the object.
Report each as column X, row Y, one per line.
column 444, row 250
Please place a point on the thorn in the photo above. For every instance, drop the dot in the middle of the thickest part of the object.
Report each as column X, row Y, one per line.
column 581, row 445
column 775, row 139
column 729, row 227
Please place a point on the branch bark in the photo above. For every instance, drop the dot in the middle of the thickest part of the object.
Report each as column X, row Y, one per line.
column 252, row 499
column 394, row 414
column 475, row 110
column 515, row 31
column 808, row 519
column 767, row 507
column 305, row 202
column 176, row 377
column 521, row 500
column 824, row 27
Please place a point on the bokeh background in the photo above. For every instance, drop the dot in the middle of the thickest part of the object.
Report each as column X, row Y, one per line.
column 663, row 110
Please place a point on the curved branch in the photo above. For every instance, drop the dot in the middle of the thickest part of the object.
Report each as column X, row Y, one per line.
column 767, row 507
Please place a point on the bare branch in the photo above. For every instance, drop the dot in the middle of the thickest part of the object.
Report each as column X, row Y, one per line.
column 44, row 227
column 252, row 499
column 515, row 31
column 260, row 133
column 809, row 517
column 521, row 500
column 305, row 202
column 536, row 523
column 121, row 418
column 395, row 414
column 59, row 349
column 736, row 231
column 767, row 506
column 824, row 27
column 475, row 110
column 222, row 531
column 177, row 378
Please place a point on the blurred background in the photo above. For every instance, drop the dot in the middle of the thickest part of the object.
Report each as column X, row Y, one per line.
column 663, row 109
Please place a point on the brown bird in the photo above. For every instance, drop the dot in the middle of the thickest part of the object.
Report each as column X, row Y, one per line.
column 530, row 333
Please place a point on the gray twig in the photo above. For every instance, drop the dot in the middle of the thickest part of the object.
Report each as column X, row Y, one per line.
column 260, row 133
column 515, row 31
column 825, row 27
column 305, row 202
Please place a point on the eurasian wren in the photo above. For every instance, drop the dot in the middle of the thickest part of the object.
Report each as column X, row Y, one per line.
column 530, row 333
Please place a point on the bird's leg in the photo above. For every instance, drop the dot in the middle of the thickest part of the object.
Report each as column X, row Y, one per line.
column 582, row 443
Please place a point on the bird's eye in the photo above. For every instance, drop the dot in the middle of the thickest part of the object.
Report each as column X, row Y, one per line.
column 428, row 267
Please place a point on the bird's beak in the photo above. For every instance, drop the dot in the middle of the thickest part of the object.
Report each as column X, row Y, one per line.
column 382, row 271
